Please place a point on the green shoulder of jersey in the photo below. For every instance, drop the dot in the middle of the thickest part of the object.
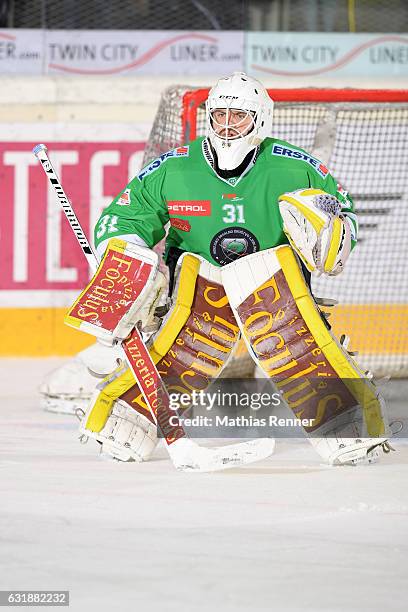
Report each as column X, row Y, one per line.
column 291, row 157
column 181, row 188
column 283, row 158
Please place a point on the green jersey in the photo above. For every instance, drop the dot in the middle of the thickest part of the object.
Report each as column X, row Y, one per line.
column 219, row 219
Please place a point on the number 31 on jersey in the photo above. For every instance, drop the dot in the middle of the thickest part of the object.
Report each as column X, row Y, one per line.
column 234, row 213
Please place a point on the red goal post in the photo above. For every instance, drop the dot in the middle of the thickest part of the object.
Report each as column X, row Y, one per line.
column 362, row 136
column 194, row 99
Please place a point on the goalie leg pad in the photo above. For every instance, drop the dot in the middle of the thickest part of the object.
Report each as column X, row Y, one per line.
column 289, row 340
column 200, row 332
column 192, row 348
column 125, row 433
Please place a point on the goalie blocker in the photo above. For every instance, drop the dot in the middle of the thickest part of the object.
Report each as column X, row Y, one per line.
column 123, row 293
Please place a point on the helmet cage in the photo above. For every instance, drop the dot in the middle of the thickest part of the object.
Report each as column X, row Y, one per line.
column 234, row 103
column 231, row 130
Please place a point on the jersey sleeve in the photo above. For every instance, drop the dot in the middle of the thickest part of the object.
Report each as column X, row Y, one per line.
column 139, row 209
column 330, row 185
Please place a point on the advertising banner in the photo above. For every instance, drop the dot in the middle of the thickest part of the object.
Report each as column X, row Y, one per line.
column 43, row 268
column 157, row 52
column 120, row 52
column 42, row 264
column 294, row 54
column 21, row 51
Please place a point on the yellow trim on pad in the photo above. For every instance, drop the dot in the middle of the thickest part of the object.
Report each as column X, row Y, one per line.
column 334, row 244
column 101, row 409
column 345, row 369
column 306, row 211
column 311, row 192
column 99, row 414
column 116, row 244
column 181, row 310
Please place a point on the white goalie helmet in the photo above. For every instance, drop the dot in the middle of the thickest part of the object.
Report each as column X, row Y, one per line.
column 231, row 142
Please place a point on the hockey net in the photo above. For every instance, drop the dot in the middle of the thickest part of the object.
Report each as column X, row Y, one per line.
column 362, row 135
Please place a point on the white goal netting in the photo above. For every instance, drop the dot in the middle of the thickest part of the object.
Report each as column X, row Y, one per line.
column 363, row 138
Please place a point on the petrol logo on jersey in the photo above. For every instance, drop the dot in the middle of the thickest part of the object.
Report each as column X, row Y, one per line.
column 295, row 154
column 190, row 208
column 124, row 199
column 232, row 243
column 154, row 165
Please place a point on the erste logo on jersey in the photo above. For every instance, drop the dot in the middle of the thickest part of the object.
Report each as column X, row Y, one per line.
column 295, row 154
column 190, row 208
column 154, row 165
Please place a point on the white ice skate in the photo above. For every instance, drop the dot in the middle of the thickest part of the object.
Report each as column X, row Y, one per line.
column 70, row 387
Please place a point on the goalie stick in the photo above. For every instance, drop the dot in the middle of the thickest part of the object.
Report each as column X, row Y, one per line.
column 185, row 454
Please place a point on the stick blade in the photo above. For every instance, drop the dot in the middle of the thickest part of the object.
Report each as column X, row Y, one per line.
column 187, row 456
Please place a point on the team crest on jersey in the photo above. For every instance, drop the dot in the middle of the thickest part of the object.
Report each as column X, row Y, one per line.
column 124, row 199
column 155, row 164
column 233, row 243
column 295, row 154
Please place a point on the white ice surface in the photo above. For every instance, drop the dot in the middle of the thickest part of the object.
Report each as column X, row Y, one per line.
column 287, row 534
